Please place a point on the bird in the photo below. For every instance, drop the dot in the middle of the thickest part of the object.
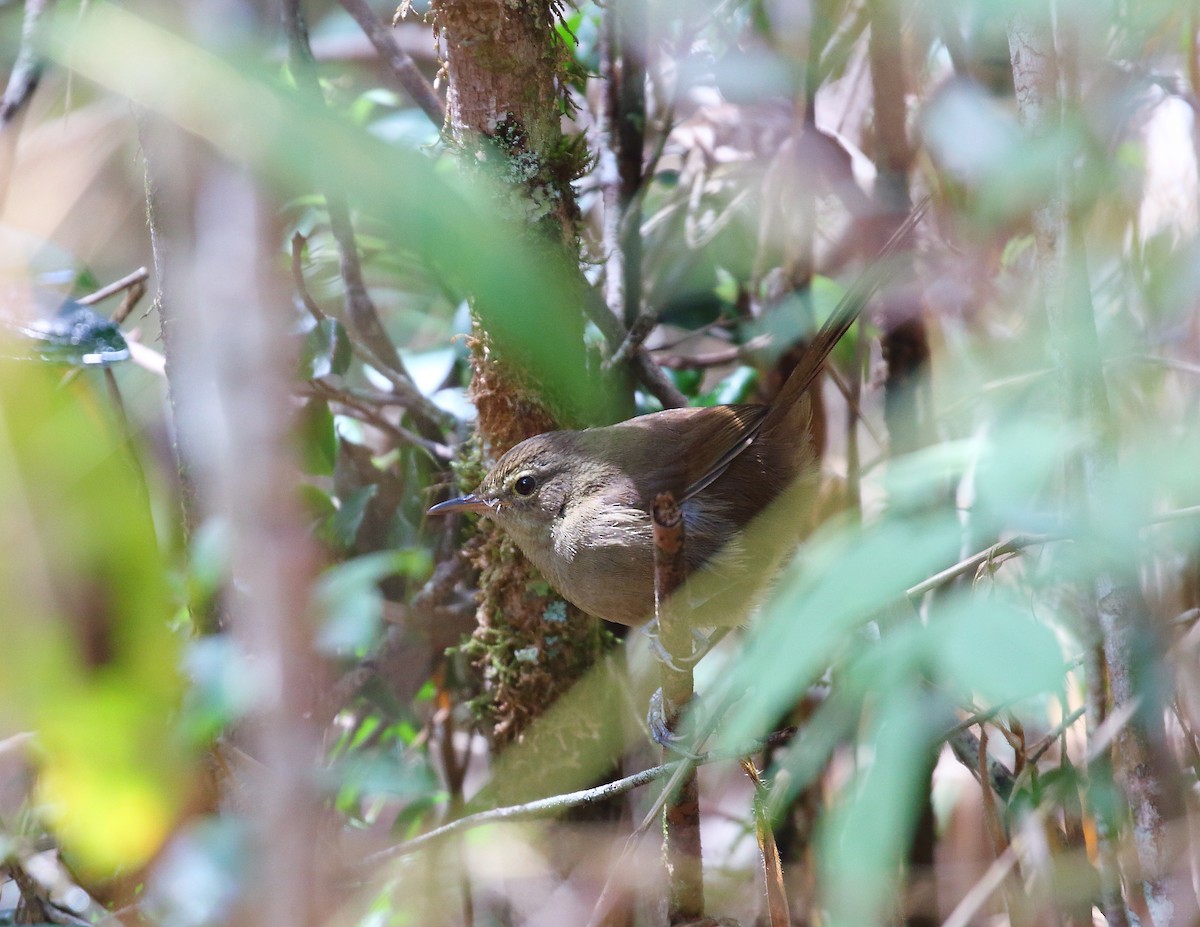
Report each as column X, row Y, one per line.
column 577, row 502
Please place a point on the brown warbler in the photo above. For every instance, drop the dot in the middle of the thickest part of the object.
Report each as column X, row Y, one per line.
column 577, row 503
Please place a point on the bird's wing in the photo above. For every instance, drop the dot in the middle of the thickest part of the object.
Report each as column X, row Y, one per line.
column 679, row 450
column 721, row 433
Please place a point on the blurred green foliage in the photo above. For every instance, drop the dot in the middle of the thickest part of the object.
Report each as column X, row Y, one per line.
column 87, row 622
column 97, row 597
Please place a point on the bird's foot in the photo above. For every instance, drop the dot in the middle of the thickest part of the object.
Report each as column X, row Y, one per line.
column 701, row 645
column 661, row 730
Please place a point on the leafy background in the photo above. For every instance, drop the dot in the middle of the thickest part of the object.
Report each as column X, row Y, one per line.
column 242, row 674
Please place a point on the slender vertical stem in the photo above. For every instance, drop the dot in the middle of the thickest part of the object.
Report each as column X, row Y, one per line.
column 681, row 814
column 1045, row 80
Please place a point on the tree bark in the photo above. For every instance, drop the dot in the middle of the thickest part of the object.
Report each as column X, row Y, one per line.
column 505, row 97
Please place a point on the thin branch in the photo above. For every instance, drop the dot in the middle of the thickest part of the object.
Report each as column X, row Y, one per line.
column 648, row 373
column 298, row 281
column 361, row 407
column 533, row 810
column 1011, row 546
column 681, row 821
column 361, row 312
column 973, row 901
column 407, row 73
column 558, row 804
column 22, row 82
column 853, row 401
column 129, row 281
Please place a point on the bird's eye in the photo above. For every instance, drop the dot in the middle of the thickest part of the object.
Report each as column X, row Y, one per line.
column 525, row 485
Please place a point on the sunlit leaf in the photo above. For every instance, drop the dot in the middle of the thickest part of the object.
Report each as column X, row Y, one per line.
column 842, row 579
column 87, row 617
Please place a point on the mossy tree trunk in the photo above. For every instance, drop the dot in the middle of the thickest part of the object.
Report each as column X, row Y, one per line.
column 505, row 64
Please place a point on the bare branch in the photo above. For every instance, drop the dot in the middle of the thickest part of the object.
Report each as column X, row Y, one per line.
column 361, row 313
column 407, row 73
column 129, row 281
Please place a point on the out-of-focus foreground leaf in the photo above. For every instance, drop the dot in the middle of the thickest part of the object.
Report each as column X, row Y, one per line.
column 450, row 221
column 90, row 662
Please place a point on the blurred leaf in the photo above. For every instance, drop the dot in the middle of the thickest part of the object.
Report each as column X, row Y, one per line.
column 842, row 578
column 407, row 128
column 208, row 559
column 971, row 133
column 87, row 613
column 318, row 440
column 348, row 599
column 223, row 687
column 197, row 880
column 862, row 841
column 325, row 350
column 985, row 644
column 795, row 318
column 368, row 102
column 1016, row 466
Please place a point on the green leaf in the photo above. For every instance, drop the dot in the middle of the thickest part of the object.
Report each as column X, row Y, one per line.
column 844, row 576
column 325, row 351
column 862, row 841
column 87, row 617
column 343, row 528
column 348, row 599
column 318, row 438
column 987, row 645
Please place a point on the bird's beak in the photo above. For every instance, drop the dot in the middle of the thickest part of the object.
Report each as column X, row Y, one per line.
column 468, row 503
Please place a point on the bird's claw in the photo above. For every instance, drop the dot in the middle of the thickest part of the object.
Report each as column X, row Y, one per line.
column 675, row 663
column 660, row 729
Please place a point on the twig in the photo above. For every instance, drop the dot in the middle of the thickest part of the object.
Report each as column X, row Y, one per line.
column 361, row 312
column 407, row 73
column 853, row 402
column 132, row 297
column 995, row 876
column 777, row 902
column 647, row 372
column 711, row 359
column 298, row 281
column 22, row 82
column 965, row 747
column 323, row 390
column 533, row 810
column 1059, row 729
column 1011, row 546
column 129, row 281
column 681, row 822
column 406, row 393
